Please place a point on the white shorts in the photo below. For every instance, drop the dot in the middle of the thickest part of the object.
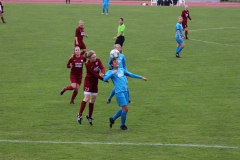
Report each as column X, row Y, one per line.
column 90, row 93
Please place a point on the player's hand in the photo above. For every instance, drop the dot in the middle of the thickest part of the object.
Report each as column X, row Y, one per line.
column 191, row 20
column 71, row 65
column 77, row 43
column 114, row 72
column 143, row 78
column 101, row 74
column 114, row 38
column 127, row 77
column 86, row 35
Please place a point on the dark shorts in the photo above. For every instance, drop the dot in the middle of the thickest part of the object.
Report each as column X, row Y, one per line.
column 90, row 87
column 120, row 40
column 81, row 45
column 75, row 79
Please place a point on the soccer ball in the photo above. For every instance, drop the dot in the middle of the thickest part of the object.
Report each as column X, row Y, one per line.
column 114, row 53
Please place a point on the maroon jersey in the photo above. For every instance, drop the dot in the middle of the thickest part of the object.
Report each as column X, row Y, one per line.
column 79, row 33
column 77, row 65
column 93, row 70
column 1, row 7
column 185, row 15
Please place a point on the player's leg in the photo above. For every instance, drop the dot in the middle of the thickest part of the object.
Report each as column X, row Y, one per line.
column 83, row 47
column 2, row 18
column 111, row 95
column 107, row 9
column 186, row 32
column 73, row 81
column 103, row 9
column 75, row 93
column 91, row 107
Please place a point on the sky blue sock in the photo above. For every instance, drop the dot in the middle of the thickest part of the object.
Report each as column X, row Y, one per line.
column 123, row 117
column 118, row 114
column 106, row 10
column 179, row 49
column 112, row 94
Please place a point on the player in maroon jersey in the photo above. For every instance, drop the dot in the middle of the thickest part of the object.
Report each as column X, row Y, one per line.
column 185, row 14
column 79, row 34
column 93, row 68
column 76, row 64
column 2, row 11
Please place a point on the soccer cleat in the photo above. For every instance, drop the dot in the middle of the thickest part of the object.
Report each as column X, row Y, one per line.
column 72, row 102
column 89, row 120
column 111, row 122
column 187, row 37
column 177, row 55
column 106, row 13
column 108, row 101
column 62, row 91
column 79, row 119
column 4, row 22
column 129, row 102
column 124, row 127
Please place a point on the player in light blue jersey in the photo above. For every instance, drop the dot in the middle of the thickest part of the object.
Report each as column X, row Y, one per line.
column 179, row 36
column 117, row 75
column 122, row 64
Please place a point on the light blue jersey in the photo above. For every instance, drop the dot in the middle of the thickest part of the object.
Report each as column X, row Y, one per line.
column 180, row 28
column 118, row 79
column 121, row 61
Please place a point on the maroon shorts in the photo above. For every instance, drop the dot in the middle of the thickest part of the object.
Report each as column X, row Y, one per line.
column 81, row 45
column 184, row 25
column 90, row 87
column 75, row 79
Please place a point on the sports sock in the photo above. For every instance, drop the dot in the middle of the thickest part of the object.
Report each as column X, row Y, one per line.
column 106, row 10
column 82, row 53
column 103, row 10
column 123, row 117
column 2, row 19
column 186, row 33
column 90, row 109
column 128, row 94
column 118, row 114
column 112, row 93
column 69, row 88
column 75, row 92
column 179, row 49
column 82, row 107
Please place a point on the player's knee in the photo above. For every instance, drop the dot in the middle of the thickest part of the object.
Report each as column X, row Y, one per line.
column 86, row 97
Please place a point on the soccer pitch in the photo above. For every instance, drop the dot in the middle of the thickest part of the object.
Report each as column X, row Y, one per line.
column 188, row 108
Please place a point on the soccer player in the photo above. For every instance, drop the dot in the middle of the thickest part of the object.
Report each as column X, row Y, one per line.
column 76, row 64
column 122, row 64
column 118, row 78
column 1, row 11
column 79, row 34
column 179, row 36
column 93, row 66
column 185, row 15
column 121, row 33
column 105, row 6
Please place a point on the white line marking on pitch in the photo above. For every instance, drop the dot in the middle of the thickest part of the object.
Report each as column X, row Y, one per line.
column 205, row 29
column 122, row 143
column 232, row 45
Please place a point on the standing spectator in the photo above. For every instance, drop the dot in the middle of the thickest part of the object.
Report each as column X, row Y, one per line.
column 185, row 15
column 79, row 34
column 121, row 33
column 2, row 11
column 179, row 36
column 93, row 66
column 105, row 6
column 167, row 3
column 160, row 3
column 67, row 1
column 175, row 2
column 76, row 64
column 118, row 78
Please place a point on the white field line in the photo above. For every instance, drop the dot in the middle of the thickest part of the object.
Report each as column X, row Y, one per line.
column 232, row 45
column 205, row 29
column 121, row 143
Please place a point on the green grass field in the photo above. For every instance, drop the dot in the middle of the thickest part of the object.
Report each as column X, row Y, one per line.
column 188, row 108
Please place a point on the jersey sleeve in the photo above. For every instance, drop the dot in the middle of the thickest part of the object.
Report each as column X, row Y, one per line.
column 107, row 75
column 122, row 28
column 109, row 60
column 189, row 16
column 178, row 27
column 101, row 66
column 69, row 62
column 88, row 66
column 76, row 32
column 126, row 73
column 182, row 15
column 124, row 63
